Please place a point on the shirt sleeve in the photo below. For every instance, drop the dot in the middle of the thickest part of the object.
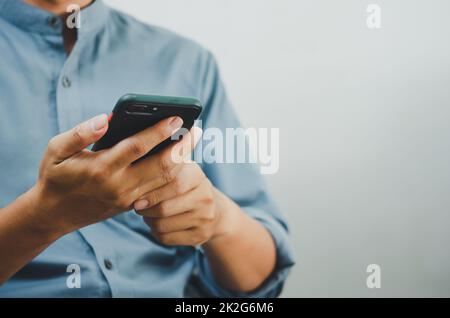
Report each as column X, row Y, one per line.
column 243, row 183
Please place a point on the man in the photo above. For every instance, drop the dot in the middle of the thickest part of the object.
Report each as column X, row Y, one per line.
column 155, row 228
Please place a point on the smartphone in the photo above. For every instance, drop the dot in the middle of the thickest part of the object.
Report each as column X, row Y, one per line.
column 135, row 112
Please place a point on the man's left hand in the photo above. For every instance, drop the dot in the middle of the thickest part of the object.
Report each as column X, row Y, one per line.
column 183, row 212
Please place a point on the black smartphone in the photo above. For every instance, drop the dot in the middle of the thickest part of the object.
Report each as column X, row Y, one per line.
column 136, row 112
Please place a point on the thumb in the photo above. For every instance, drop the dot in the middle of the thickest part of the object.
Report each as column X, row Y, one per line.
column 70, row 142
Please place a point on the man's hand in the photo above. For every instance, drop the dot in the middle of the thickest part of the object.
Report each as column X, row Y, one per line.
column 77, row 187
column 184, row 211
column 190, row 211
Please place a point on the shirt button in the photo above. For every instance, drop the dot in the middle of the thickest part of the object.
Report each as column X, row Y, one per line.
column 108, row 264
column 53, row 22
column 65, row 82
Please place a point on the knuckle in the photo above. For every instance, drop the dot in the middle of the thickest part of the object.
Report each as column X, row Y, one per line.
column 196, row 169
column 136, row 147
column 51, row 146
column 178, row 186
column 207, row 200
column 99, row 173
column 77, row 133
column 208, row 216
column 161, row 132
column 167, row 174
column 202, row 222
column 164, row 163
column 152, row 198
column 163, row 209
column 53, row 149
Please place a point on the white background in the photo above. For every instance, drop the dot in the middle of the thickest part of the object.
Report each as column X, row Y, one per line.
column 364, row 119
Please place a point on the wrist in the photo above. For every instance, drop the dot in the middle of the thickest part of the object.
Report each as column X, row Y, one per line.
column 37, row 217
column 230, row 215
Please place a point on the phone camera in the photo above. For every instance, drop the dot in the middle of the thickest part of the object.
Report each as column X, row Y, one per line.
column 141, row 109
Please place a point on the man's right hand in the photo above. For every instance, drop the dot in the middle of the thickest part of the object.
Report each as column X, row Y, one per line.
column 77, row 187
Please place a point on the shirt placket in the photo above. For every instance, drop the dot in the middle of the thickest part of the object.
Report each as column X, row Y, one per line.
column 70, row 113
column 68, row 106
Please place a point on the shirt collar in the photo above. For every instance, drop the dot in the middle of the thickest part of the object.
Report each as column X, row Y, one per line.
column 36, row 20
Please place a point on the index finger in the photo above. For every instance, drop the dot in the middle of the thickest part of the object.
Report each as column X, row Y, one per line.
column 136, row 146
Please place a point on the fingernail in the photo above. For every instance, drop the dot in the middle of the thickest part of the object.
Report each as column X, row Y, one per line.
column 175, row 122
column 141, row 204
column 98, row 122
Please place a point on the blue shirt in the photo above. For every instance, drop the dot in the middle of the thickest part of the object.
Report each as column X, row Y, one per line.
column 44, row 92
